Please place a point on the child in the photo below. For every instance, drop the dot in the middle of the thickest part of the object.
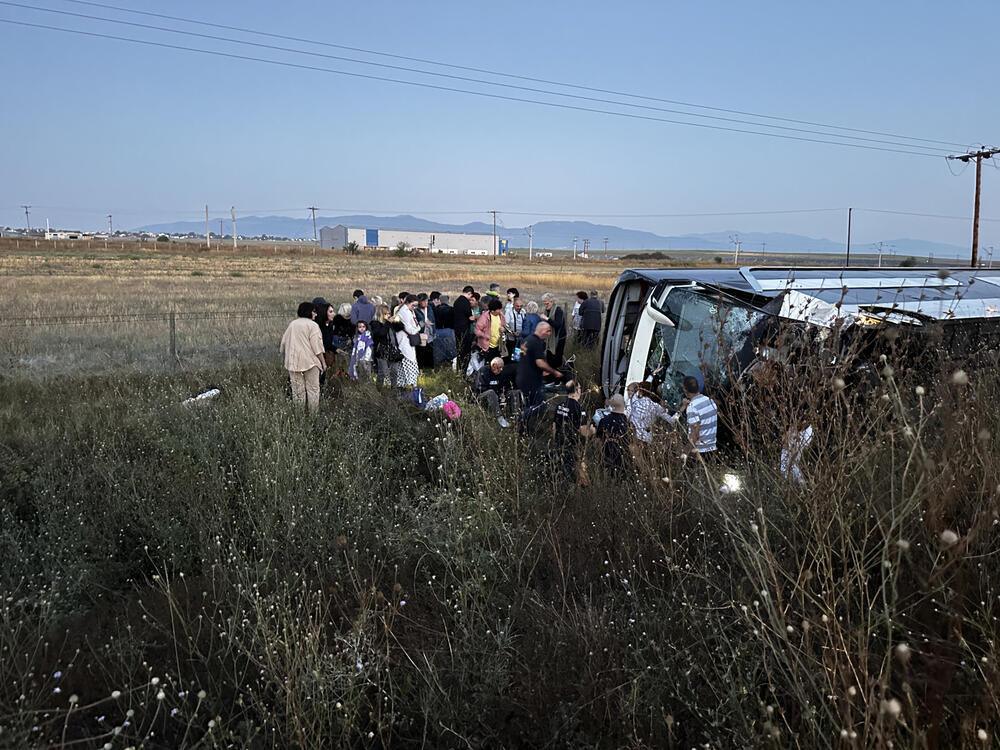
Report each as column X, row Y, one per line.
column 360, row 367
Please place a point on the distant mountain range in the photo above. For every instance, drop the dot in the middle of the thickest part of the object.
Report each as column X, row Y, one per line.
column 558, row 235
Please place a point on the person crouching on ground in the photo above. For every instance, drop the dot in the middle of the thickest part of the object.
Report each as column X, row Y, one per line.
column 489, row 385
column 360, row 368
column 569, row 427
column 302, row 346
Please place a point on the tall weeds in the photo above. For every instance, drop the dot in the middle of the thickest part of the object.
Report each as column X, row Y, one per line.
column 244, row 574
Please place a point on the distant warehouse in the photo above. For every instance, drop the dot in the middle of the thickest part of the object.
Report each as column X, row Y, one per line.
column 448, row 243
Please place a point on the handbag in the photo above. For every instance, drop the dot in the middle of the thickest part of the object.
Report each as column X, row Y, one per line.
column 390, row 351
column 414, row 339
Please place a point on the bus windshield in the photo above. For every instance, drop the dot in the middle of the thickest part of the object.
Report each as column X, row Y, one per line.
column 707, row 334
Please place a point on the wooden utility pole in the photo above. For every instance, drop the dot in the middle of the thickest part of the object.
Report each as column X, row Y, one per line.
column 979, row 155
column 313, row 209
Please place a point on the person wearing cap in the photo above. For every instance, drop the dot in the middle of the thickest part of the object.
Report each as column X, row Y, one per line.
column 302, row 347
column 613, row 429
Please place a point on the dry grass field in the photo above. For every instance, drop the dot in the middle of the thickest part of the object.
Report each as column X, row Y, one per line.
column 79, row 307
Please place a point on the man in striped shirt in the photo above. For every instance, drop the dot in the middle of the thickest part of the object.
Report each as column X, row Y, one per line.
column 702, row 418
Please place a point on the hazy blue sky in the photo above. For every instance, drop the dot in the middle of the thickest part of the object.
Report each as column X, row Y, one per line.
column 91, row 126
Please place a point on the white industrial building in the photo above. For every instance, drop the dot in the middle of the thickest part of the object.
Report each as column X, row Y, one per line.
column 449, row 243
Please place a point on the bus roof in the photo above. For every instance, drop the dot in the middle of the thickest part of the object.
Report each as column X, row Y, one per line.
column 913, row 293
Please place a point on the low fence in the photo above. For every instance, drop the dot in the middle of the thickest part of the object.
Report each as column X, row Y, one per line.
column 154, row 341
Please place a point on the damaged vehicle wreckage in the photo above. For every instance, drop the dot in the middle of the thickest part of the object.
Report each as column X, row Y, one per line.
column 723, row 325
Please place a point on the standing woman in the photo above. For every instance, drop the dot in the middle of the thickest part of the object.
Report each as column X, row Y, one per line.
column 556, row 344
column 531, row 319
column 324, row 317
column 407, row 369
column 424, row 315
column 381, row 330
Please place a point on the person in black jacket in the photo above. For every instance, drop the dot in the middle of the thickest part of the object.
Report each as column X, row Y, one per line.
column 381, row 330
column 462, row 319
column 556, row 344
column 445, row 349
column 590, row 322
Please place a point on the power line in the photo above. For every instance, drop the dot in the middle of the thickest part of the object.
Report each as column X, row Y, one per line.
column 547, row 92
column 503, row 97
column 509, row 75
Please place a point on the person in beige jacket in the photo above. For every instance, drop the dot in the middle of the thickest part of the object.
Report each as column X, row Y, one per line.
column 302, row 345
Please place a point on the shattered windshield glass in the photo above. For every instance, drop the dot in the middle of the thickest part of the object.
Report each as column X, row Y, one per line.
column 706, row 335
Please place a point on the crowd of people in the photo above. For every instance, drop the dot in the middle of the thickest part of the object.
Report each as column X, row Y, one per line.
column 508, row 348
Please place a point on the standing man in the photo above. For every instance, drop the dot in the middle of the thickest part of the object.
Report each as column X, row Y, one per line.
column 512, row 294
column 590, row 322
column 530, row 369
column 462, row 318
column 613, row 430
column 302, row 345
column 569, row 428
column 557, row 320
column 702, row 419
column 514, row 321
column 362, row 311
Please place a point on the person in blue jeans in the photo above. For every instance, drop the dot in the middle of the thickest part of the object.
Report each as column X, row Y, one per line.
column 530, row 369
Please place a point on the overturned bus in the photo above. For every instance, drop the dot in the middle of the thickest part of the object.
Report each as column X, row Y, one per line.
column 718, row 324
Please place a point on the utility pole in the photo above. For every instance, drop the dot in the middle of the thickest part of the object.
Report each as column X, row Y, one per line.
column 849, row 212
column 735, row 239
column 586, row 247
column 221, row 235
column 982, row 153
column 531, row 239
column 494, row 232
column 232, row 213
column 315, row 236
column 111, row 227
column 878, row 247
column 574, row 248
column 208, row 234
column 763, row 249
column 27, row 215
column 605, row 248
